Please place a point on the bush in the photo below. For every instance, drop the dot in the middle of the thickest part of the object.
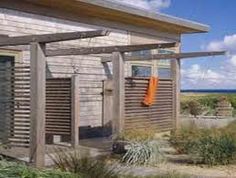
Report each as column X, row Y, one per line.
column 208, row 146
column 83, row 166
column 183, row 140
column 143, row 153
column 214, row 150
column 137, row 135
column 195, row 108
column 16, row 170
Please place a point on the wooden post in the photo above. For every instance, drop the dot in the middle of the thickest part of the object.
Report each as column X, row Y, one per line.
column 37, row 104
column 176, row 67
column 107, row 106
column 75, row 111
column 118, row 92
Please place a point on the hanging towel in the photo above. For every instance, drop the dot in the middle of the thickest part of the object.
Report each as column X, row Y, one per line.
column 151, row 91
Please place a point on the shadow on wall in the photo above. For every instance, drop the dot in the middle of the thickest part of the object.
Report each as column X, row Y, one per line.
column 95, row 132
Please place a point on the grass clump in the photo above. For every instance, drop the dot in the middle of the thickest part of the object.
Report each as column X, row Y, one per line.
column 208, row 146
column 83, row 166
column 143, row 153
column 16, row 170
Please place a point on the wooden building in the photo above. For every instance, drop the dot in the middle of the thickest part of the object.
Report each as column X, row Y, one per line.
column 81, row 85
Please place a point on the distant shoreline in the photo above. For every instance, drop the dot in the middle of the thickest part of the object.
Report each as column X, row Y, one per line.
column 228, row 91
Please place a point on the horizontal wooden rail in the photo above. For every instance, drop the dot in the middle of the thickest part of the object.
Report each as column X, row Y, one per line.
column 49, row 38
column 107, row 49
column 169, row 56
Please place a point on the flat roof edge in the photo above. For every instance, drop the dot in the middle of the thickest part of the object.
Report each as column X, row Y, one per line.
column 196, row 27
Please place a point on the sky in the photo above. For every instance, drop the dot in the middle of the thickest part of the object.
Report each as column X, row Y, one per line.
column 207, row 72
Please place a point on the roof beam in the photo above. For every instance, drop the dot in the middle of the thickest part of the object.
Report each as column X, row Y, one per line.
column 49, row 38
column 107, row 49
column 175, row 56
column 169, row 56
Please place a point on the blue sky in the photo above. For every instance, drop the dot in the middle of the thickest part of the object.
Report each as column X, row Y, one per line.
column 210, row 72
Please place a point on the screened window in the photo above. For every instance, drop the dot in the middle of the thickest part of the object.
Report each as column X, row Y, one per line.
column 164, row 73
column 141, row 71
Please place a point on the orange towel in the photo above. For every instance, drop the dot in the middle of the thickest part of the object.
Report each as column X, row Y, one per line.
column 151, row 91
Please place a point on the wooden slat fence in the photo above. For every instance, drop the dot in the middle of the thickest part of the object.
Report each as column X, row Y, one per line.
column 15, row 99
column 158, row 116
column 15, row 106
column 58, row 106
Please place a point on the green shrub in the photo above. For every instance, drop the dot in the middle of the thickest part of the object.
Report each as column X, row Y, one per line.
column 208, row 146
column 209, row 101
column 183, row 140
column 85, row 167
column 143, row 153
column 214, row 150
column 16, row 170
column 195, row 108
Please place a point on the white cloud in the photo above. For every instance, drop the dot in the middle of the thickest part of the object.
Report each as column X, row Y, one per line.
column 198, row 77
column 233, row 60
column 228, row 43
column 146, row 4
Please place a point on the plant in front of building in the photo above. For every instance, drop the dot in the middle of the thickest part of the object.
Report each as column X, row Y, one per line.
column 208, row 146
column 143, row 153
column 74, row 162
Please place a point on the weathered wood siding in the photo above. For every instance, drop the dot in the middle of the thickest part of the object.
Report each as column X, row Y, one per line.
column 89, row 68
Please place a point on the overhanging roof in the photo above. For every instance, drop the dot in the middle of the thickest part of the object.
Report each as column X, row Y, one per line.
column 97, row 11
column 187, row 26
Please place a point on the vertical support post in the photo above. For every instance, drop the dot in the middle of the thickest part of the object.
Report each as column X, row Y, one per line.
column 176, row 67
column 75, row 111
column 107, row 107
column 118, row 92
column 37, row 104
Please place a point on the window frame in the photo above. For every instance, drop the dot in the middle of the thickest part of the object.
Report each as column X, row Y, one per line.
column 154, row 64
column 140, row 65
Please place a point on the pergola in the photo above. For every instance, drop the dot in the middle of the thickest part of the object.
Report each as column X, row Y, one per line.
column 38, row 54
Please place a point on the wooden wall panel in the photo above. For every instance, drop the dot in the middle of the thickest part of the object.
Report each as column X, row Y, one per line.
column 58, row 106
column 16, row 99
column 159, row 115
column 15, row 129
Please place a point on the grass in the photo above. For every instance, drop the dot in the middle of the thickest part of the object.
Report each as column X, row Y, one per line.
column 207, row 101
column 72, row 161
column 16, row 170
column 215, row 146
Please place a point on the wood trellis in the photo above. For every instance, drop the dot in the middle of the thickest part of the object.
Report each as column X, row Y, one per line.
column 37, row 85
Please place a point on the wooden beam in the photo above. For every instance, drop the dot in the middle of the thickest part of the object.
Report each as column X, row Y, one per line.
column 118, row 93
column 75, row 111
column 175, row 56
column 49, row 38
column 37, row 104
column 175, row 71
column 169, row 56
column 107, row 49
column 107, row 104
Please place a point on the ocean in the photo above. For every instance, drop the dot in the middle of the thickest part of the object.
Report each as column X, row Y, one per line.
column 208, row 91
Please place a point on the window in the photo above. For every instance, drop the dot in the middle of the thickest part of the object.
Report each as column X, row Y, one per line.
column 164, row 72
column 141, row 71
column 141, row 53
